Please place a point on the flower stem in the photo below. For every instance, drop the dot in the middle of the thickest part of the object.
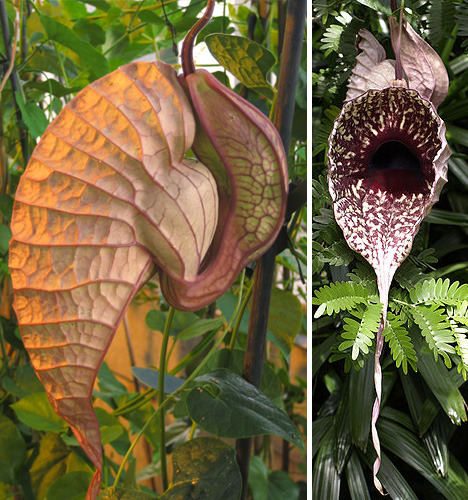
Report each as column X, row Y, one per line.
column 189, row 41
column 162, row 413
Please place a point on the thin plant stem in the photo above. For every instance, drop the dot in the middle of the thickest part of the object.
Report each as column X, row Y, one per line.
column 192, row 431
column 239, row 317
column 135, row 403
column 131, row 354
column 189, row 379
column 162, row 413
column 62, row 67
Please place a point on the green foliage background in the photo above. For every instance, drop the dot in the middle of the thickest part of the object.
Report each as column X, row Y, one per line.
column 424, row 363
column 62, row 46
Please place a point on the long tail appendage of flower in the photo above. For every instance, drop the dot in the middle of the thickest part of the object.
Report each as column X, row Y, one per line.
column 378, row 398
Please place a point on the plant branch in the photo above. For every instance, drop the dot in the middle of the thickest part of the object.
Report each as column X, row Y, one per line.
column 284, row 112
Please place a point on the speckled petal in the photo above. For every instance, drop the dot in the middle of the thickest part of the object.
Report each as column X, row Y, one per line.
column 380, row 210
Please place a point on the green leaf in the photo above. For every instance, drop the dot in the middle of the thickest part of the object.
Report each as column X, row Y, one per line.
column 36, row 411
column 150, row 377
column 227, row 304
column 33, row 116
column 53, row 460
column 147, row 16
column 51, row 86
column 326, row 481
column 200, row 327
column 12, row 451
column 74, row 9
column 440, row 291
column 446, row 217
column 281, row 486
column 226, row 405
column 359, row 335
column 210, row 466
column 321, row 352
column 356, row 480
column 46, row 60
column 434, row 327
column 401, row 347
column 343, row 442
column 258, row 478
column 71, row 486
column 441, row 21
column 233, row 360
column 156, row 320
column 248, row 61
column 340, row 296
column 5, row 237
column 393, row 482
column 110, row 389
column 442, row 382
column 25, row 383
column 216, row 25
column 361, row 400
column 89, row 55
column 407, row 447
column 320, row 428
column 285, row 318
column 110, row 433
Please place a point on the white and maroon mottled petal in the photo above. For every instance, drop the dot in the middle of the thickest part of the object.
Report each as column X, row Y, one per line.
column 380, row 208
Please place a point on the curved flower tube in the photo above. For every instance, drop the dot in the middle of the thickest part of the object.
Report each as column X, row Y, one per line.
column 388, row 160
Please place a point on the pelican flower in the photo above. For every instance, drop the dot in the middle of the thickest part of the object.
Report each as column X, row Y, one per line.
column 388, row 159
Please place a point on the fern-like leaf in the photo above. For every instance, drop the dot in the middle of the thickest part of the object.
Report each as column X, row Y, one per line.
column 459, row 313
column 435, row 329
column 439, row 292
column 331, row 38
column 400, row 343
column 340, row 296
column 461, row 346
column 359, row 334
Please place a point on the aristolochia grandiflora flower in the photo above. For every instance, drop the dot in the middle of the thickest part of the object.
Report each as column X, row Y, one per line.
column 388, row 159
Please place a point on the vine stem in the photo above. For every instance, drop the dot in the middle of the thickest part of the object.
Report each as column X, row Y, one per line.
column 264, row 273
column 162, row 413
